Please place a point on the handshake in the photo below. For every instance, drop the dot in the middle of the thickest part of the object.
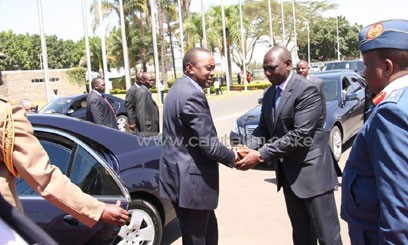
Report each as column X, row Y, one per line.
column 246, row 158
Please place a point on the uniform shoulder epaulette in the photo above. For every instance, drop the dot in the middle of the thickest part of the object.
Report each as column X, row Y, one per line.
column 394, row 96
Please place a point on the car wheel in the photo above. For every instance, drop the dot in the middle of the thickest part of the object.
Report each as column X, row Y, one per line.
column 144, row 225
column 336, row 142
column 122, row 120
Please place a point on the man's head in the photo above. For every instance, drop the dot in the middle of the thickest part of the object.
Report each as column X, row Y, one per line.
column 302, row 68
column 199, row 65
column 384, row 46
column 139, row 78
column 277, row 64
column 98, row 84
column 147, row 79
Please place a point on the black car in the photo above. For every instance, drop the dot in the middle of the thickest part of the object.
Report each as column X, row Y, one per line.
column 108, row 164
column 75, row 106
column 346, row 105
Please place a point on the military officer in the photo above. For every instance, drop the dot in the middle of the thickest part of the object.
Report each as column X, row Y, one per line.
column 375, row 178
column 22, row 155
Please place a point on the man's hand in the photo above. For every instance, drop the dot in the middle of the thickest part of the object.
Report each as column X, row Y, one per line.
column 114, row 214
column 250, row 160
column 241, row 151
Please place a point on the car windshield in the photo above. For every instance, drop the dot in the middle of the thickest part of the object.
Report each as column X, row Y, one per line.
column 56, row 105
column 330, row 89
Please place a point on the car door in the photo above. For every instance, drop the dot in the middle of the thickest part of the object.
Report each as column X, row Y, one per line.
column 91, row 173
column 353, row 101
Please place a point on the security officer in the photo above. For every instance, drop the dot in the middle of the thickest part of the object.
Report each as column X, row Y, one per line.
column 21, row 154
column 375, row 178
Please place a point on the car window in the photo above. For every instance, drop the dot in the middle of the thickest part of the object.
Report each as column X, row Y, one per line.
column 91, row 176
column 59, row 155
column 330, row 89
column 56, row 105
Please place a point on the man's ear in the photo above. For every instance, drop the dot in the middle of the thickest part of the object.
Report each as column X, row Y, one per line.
column 189, row 68
column 389, row 67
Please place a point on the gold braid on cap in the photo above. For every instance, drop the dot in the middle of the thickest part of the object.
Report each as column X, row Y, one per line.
column 8, row 141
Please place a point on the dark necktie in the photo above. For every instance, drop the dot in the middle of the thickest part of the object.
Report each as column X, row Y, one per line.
column 277, row 97
column 107, row 102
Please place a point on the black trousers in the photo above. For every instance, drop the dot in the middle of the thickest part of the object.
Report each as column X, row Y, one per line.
column 313, row 218
column 198, row 227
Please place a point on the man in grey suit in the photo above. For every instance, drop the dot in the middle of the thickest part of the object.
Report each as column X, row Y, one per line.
column 290, row 135
column 191, row 151
column 146, row 110
column 303, row 69
column 98, row 108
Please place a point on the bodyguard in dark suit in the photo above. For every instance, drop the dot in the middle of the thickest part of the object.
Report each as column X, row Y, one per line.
column 303, row 69
column 191, row 151
column 290, row 135
column 146, row 110
column 130, row 103
column 98, row 108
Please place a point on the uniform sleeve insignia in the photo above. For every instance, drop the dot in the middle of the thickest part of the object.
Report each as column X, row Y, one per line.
column 375, row 31
column 8, row 141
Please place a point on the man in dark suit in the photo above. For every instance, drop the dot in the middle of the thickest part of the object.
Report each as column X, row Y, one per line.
column 191, row 151
column 98, row 108
column 130, row 103
column 303, row 69
column 290, row 135
column 146, row 110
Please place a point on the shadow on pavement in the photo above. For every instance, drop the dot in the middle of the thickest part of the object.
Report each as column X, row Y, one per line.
column 171, row 233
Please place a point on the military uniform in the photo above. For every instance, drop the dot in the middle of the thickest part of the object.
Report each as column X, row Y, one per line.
column 375, row 178
column 376, row 165
column 22, row 155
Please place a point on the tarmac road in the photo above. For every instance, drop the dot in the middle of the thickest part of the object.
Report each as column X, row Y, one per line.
column 250, row 210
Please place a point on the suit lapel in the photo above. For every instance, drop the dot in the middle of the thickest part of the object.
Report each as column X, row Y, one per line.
column 285, row 94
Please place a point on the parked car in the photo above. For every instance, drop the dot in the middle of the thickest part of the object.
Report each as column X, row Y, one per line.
column 75, row 106
column 346, row 104
column 354, row 65
column 108, row 164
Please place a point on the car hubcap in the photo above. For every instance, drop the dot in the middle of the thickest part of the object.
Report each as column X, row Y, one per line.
column 139, row 230
column 121, row 124
column 337, row 143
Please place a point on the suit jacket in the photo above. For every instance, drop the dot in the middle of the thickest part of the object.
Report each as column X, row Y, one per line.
column 191, row 149
column 295, row 141
column 320, row 86
column 130, row 103
column 147, row 112
column 99, row 111
column 32, row 163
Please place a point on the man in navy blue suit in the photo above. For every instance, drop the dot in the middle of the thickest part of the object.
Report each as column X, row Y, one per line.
column 375, row 179
column 191, row 151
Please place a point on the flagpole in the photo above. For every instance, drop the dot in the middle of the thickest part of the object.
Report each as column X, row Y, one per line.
column 103, row 47
column 181, row 29
column 155, row 52
column 242, row 45
column 224, row 37
column 44, row 50
column 124, row 46
column 87, row 49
